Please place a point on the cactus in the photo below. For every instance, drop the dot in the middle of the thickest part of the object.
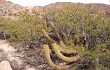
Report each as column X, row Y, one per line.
column 56, row 31
column 59, row 48
column 49, row 61
column 61, row 56
column 47, row 36
column 63, row 49
column 68, row 50
column 76, row 40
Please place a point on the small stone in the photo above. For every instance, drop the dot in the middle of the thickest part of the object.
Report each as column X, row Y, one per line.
column 5, row 65
column 30, row 69
column 14, row 65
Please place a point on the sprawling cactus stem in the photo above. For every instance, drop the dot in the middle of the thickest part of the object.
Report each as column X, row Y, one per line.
column 49, row 61
column 61, row 56
column 76, row 40
column 58, row 49
column 47, row 36
column 56, row 31
column 67, row 50
column 63, row 48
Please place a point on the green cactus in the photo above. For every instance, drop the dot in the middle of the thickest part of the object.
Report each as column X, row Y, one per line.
column 56, row 31
column 61, row 56
column 47, row 36
column 76, row 40
column 60, row 48
column 63, row 48
column 49, row 61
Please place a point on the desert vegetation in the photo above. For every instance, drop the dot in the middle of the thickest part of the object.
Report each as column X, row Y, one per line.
column 66, row 31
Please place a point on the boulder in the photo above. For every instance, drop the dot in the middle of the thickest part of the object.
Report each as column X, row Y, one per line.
column 5, row 65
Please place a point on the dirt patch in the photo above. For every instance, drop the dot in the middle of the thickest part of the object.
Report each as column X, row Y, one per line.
column 24, row 58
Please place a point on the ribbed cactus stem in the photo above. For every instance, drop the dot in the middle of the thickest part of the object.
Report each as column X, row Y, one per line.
column 62, row 48
column 47, row 36
column 56, row 31
column 61, row 56
column 68, row 50
column 65, row 49
column 76, row 40
column 49, row 61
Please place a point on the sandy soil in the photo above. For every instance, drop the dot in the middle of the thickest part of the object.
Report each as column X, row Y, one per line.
column 24, row 59
column 10, row 52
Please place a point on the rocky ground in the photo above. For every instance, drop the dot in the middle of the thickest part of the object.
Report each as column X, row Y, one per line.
column 22, row 58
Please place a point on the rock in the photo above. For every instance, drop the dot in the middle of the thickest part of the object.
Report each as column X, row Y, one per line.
column 5, row 65
column 40, row 60
column 30, row 69
column 3, row 56
column 14, row 65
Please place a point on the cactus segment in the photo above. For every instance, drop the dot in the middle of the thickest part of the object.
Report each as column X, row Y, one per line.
column 61, row 56
column 47, row 36
column 59, row 49
column 76, row 40
column 68, row 50
column 56, row 31
column 49, row 61
column 65, row 49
